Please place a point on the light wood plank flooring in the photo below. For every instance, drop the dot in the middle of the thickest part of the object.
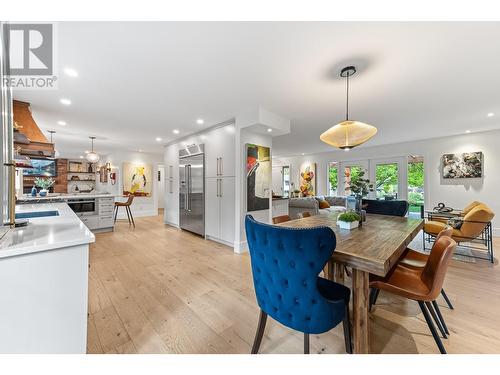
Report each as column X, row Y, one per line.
column 156, row 289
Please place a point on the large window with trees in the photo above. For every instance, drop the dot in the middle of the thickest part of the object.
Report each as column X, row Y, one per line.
column 386, row 181
column 333, row 183
column 415, row 184
column 352, row 173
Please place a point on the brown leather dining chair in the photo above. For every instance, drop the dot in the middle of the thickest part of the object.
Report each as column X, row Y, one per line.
column 423, row 284
column 281, row 219
column 127, row 205
column 416, row 259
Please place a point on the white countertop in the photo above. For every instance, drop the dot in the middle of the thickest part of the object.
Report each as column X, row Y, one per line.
column 45, row 233
column 29, row 198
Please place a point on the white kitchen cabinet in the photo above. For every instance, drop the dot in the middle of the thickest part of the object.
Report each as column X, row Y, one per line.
column 220, row 152
column 219, row 209
column 227, row 201
column 212, row 210
column 171, row 210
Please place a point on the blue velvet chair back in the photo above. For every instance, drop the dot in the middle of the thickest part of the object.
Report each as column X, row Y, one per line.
column 286, row 263
column 386, row 207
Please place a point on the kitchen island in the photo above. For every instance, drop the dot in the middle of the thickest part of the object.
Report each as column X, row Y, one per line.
column 44, row 281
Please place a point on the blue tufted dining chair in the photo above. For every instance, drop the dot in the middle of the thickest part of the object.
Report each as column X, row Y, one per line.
column 286, row 263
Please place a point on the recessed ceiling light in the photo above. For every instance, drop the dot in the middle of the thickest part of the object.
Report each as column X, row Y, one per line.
column 158, row 139
column 62, row 123
column 87, row 151
column 468, row 131
column 269, row 130
column 65, row 101
column 81, row 157
column 176, row 131
column 491, row 114
column 200, row 121
column 303, row 154
column 70, row 72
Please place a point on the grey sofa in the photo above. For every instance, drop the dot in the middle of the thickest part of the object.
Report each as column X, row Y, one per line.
column 311, row 204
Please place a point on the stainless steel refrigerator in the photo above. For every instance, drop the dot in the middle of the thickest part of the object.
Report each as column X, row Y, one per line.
column 192, row 189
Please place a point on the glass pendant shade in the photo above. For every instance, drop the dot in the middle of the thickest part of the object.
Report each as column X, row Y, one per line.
column 93, row 157
column 348, row 134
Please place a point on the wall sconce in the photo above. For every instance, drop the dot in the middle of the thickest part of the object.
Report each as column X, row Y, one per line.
column 108, row 167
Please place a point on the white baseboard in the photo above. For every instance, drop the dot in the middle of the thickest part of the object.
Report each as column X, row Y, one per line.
column 241, row 247
column 172, row 224
column 122, row 215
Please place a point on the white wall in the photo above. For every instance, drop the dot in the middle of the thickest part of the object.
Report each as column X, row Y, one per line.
column 142, row 206
column 454, row 193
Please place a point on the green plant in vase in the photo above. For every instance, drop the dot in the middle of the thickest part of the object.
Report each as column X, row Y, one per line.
column 360, row 187
column 44, row 184
column 348, row 220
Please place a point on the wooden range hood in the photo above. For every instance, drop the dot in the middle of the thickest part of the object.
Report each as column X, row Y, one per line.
column 28, row 138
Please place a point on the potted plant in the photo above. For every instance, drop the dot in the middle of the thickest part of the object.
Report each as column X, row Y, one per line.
column 44, row 184
column 296, row 193
column 348, row 220
column 360, row 187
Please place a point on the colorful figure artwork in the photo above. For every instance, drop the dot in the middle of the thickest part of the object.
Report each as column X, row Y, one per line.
column 258, row 177
column 308, row 179
column 137, row 179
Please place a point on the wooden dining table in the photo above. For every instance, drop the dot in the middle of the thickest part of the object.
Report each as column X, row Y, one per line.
column 374, row 248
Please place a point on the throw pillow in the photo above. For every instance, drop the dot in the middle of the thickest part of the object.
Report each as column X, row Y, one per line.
column 323, row 204
column 455, row 222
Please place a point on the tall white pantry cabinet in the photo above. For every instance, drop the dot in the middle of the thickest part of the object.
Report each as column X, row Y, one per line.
column 220, row 182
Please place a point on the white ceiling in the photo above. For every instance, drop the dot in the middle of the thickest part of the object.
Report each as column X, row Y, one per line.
column 138, row 81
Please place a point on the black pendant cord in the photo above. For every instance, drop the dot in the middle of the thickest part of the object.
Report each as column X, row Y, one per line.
column 347, row 99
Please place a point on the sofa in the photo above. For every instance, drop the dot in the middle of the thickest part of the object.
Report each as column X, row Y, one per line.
column 385, row 207
column 297, row 206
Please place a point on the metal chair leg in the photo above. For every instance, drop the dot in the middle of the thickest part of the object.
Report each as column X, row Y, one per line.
column 260, row 332
column 306, row 343
column 428, row 319
column 443, row 293
column 436, row 319
column 438, row 312
column 373, row 298
column 128, row 216
column 347, row 330
column 130, row 212
column 116, row 212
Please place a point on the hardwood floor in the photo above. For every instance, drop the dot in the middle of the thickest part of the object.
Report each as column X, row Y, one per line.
column 156, row 289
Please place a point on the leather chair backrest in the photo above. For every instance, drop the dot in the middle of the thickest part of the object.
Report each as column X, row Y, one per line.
column 475, row 221
column 446, row 232
column 281, row 219
column 130, row 199
column 437, row 264
column 469, row 207
column 286, row 263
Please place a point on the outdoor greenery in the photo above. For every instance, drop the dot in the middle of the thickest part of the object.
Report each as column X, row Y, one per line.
column 332, row 177
column 349, row 217
column 415, row 186
column 386, row 179
column 360, row 186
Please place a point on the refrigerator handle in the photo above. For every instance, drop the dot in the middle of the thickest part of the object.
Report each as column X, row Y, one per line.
column 186, row 178
column 221, row 168
column 189, row 187
column 218, row 188
column 220, row 182
column 218, row 166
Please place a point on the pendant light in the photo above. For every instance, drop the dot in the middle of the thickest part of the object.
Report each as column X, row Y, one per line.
column 349, row 133
column 92, row 156
column 52, row 132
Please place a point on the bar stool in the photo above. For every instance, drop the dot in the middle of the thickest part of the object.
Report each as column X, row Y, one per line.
column 127, row 205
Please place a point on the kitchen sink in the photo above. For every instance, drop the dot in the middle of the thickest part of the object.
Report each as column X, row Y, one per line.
column 34, row 214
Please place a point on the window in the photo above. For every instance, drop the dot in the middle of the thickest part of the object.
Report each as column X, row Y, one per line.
column 386, row 181
column 351, row 174
column 333, row 172
column 286, row 181
column 415, row 185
